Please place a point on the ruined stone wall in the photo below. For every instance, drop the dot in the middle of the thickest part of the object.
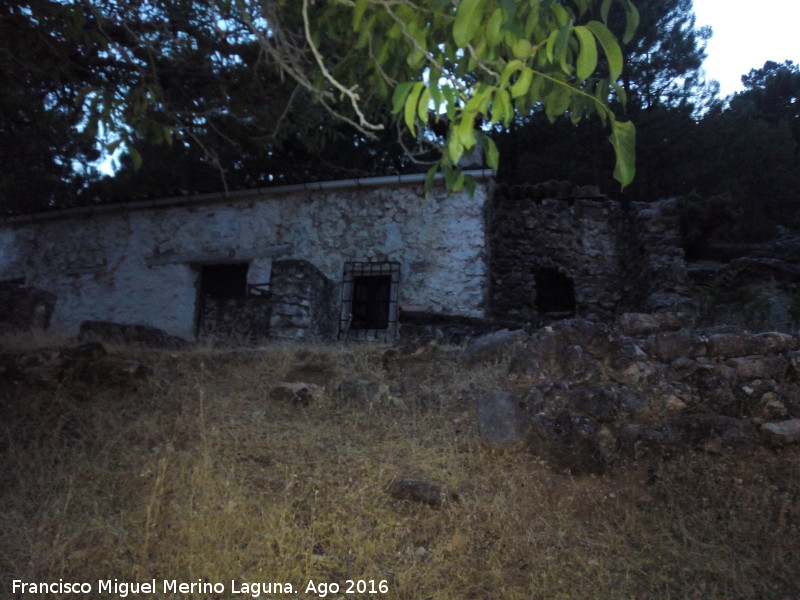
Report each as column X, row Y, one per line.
column 615, row 259
column 141, row 264
column 578, row 237
column 302, row 298
column 655, row 269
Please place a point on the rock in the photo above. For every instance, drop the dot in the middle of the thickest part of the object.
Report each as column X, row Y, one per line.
column 317, row 373
column 772, row 407
column 731, row 345
column 359, row 391
column 699, row 428
column 572, row 442
column 727, row 345
column 137, row 335
column 782, row 432
column 419, row 490
column 647, row 323
column 412, row 358
column 671, row 345
column 759, row 367
column 565, row 351
column 501, row 420
column 674, row 404
column 296, row 392
column 773, row 342
column 492, row 346
column 87, row 364
column 602, row 402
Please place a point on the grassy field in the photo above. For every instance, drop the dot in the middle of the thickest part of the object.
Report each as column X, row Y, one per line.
column 197, row 475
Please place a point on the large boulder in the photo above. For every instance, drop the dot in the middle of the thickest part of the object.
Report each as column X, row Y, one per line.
column 133, row 334
column 501, row 420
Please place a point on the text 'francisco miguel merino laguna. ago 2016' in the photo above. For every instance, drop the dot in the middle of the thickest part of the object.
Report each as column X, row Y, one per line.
column 122, row 589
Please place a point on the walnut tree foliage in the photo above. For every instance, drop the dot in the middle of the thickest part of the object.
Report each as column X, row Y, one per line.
column 473, row 63
column 242, row 83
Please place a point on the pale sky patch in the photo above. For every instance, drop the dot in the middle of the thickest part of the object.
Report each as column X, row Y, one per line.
column 746, row 35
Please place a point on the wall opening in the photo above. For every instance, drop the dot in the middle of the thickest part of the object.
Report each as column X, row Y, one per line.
column 223, row 282
column 222, row 288
column 555, row 292
column 369, row 300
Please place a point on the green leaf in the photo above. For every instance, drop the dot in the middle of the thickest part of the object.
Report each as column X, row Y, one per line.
column 430, row 177
column 411, row 106
column 424, row 102
column 415, row 59
column 492, row 153
column 511, row 68
column 583, row 6
column 494, row 34
column 604, row 9
column 557, row 101
column 560, row 50
column 522, row 84
column 587, row 57
column 468, row 18
column 358, row 13
column 399, row 96
column 458, row 185
column 469, row 185
column 465, row 130
column 632, row 16
column 502, row 110
column 610, row 47
column 454, row 149
column 560, row 13
column 479, row 103
column 623, row 139
column 136, row 157
column 433, row 85
column 450, row 101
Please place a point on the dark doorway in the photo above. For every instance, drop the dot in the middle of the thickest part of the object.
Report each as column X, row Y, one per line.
column 222, row 290
column 555, row 292
column 223, row 281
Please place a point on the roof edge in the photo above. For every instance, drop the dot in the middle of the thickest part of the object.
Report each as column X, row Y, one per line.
column 211, row 197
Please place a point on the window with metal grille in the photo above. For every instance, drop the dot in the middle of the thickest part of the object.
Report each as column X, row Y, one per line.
column 369, row 300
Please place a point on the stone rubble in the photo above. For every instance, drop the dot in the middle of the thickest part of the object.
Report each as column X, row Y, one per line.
column 596, row 396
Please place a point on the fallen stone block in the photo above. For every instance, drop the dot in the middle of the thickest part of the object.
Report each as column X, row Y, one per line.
column 501, row 420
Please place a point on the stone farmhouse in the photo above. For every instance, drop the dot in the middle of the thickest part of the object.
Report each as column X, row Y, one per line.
column 368, row 259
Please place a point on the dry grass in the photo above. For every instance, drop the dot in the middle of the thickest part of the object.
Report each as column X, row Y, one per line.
column 198, row 474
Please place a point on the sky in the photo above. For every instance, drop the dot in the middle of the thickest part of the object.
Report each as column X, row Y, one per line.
column 746, row 35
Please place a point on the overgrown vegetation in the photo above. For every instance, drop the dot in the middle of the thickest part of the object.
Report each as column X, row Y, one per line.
column 197, row 473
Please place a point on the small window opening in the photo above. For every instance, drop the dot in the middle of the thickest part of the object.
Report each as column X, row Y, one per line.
column 371, row 296
column 369, row 301
column 555, row 292
column 223, row 281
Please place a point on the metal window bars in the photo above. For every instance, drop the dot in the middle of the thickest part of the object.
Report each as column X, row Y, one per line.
column 369, row 303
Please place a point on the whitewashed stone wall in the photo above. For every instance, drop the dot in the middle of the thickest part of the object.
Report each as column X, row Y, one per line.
column 137, row 264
